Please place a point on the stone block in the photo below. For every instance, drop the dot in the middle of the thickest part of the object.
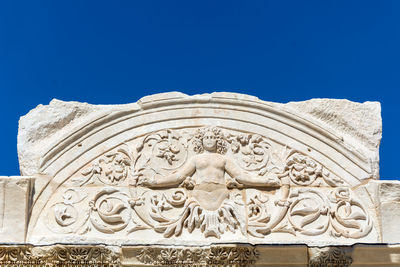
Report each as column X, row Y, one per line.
column 14, row 208
column 389, row 197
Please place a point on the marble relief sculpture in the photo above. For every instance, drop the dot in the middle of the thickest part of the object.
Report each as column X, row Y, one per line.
column 211, row 207
column 213, row 180
column 205, row 179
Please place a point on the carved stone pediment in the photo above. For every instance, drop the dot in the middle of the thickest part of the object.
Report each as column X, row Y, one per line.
column 218, row 179
column 206, row 183
column 194, row 171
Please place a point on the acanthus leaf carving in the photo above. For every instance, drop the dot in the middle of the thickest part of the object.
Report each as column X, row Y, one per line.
column 213, row 256
column 208, row 179
column 330, row 256
column 315, row 213
column 111, row 169
column 110, row 210
column 64, row 216
column 309, row 212
column 58, row 255
column 304, row 171
column 349, row 217
column 251, row 151
column 193, row 215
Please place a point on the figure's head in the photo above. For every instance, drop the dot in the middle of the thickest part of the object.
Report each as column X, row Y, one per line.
column 209, row 139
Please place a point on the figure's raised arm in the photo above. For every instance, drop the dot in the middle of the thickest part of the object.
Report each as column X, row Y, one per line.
column 245, row 178
column 186, row 170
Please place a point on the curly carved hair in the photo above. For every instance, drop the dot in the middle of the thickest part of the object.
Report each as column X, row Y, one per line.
column 198, row 140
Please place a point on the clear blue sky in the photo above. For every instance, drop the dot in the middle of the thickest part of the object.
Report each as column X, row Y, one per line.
column 113, row 52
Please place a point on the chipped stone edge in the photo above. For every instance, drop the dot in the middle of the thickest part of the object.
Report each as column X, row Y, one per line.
column 31, row 149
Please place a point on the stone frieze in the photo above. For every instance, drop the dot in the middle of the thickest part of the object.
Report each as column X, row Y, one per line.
column 210, row 183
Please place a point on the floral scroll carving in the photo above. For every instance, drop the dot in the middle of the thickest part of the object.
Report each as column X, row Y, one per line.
column 210, row 222
column 315, row 213
column 304, row 171
column 212, row 181
column 110, row 211
column 64, row 215
column 349, row 217
column 59, row 256
column 213, row 256
column 308, row 212
column 111, row 169
column 251, row 151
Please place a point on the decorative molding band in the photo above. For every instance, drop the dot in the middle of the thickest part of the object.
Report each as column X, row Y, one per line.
column 330, row 256
column 213, row 255
column 59, row 255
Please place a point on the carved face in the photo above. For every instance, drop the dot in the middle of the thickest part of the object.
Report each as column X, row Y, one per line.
column 209, row 141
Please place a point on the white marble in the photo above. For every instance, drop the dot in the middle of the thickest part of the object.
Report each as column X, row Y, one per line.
column 14, row 208
column 178, row 179
column 215, row 168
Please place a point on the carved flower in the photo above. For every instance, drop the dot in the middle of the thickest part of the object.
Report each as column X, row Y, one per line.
column 118, row 169
column 168, row 152
column 341, row 193
column 244, row 255
column 243, row 139
column 108, row 169
column 252, row 151
column 169, row 255
column 303, row 170
column 79, row 254
column 218, row 254
column 194, row 255
column 136, row 201
column 146, row 255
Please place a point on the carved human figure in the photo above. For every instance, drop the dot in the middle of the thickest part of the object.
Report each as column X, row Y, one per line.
column 204, row 174
column 206, row 170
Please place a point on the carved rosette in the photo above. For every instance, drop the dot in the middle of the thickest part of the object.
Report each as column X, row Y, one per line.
column 111, row 169
column 251, row 151
column 294, row 193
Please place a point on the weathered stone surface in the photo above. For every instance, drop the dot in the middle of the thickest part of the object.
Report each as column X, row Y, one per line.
column 353, row 122
column 357, row 125
column 60, row 255
column 218, row 255
column 217, row 178
column 376, row 255
column 14, row 208
column 360, row 121
column 198, row 170
column 45, row 125
column 389, row 197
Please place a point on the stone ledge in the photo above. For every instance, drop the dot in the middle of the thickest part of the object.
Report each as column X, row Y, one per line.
column 222, row 255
